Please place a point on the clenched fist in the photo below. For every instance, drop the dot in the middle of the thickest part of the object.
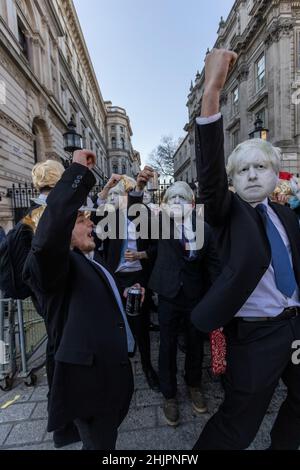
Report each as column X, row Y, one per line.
column 113, row 181
column 85, row 158
column 143, row 177
column 217, row 65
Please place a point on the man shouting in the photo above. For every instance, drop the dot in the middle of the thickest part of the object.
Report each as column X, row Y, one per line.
column 92, row 381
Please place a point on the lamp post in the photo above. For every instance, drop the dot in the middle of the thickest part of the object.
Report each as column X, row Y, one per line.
column 72, row 140
column 259, row 132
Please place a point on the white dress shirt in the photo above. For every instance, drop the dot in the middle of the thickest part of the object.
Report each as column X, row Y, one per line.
column 130, row 266
column 266, row 300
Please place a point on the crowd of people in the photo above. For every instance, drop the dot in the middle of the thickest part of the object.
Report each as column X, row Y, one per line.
column 242, row 280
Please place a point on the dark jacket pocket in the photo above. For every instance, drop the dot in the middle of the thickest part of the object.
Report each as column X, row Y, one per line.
column 71, row 356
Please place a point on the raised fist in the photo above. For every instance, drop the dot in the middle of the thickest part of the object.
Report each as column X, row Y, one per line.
column 113, row 181
column 85, row 157
column 217, row 65
column 143, row 177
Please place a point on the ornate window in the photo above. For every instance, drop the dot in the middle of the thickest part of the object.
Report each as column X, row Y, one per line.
column 235, row 138
column 260, row 72
column 113, row 143
column 22, row 38
column 235, row 101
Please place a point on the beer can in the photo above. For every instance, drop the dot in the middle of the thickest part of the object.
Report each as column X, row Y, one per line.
column 152, row 184
column 134, row 301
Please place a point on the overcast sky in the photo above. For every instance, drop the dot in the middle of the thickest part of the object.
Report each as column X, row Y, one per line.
column 145, row 54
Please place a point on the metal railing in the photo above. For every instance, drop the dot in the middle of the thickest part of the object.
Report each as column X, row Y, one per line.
column 22, row 333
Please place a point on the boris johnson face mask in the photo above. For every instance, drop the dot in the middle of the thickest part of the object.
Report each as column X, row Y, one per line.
column 254, row 177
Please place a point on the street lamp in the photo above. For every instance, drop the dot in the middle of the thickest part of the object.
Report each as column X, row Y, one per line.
column 260, row 132
column 72, row 140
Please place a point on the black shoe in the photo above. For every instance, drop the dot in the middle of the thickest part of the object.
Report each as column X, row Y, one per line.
column 152, row 378
column 153, row 327
column 65, row 436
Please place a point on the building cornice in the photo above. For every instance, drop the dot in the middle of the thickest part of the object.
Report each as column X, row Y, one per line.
column 278, row 28
column 74, row 24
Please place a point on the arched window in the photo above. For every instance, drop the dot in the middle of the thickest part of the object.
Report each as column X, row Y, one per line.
column 122, row 143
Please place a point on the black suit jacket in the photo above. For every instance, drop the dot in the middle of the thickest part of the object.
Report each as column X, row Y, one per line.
column 172, row 272
column 83, row 320
column 242, row 242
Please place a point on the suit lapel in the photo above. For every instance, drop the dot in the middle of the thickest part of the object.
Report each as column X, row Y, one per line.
column 98, row 270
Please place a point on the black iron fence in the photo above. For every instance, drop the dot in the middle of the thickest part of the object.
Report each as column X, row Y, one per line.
column 21, row 196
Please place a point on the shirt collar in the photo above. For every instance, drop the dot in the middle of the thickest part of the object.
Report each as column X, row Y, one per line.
column 264, row 202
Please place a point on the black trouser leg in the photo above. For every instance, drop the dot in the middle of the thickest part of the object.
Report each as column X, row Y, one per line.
column 194, row 354
column 98, row 433
column 140, row 328
column 257, row 356
column 168, row 323
column 285, row 434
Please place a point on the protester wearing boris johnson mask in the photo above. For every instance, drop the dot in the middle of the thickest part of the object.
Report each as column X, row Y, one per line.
column 182, row 273
column 256, row 297
column 92, row 380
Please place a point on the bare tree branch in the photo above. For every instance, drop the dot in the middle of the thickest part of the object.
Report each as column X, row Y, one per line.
column 162, row 157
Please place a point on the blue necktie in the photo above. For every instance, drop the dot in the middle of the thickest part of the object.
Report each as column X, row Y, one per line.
column 283, row 270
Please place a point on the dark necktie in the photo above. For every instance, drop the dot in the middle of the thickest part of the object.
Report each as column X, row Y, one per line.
column 283, row 270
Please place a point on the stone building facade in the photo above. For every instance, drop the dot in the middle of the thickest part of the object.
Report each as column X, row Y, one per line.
column 264, row 82
column 46, row 77
column 123, row 159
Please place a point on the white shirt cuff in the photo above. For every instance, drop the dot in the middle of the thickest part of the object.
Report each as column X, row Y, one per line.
column 202, row 121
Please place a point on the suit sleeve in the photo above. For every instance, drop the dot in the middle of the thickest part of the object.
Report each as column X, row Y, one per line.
column 48, row 261
column 212, row 259
column 211, row 171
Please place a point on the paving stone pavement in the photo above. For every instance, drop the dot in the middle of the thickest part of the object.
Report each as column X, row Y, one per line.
column 23, row 423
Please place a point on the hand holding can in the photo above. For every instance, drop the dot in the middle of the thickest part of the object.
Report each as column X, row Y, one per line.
column 135, row 297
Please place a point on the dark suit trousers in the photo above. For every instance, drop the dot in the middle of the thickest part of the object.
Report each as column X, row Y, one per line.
column 100, row 432
column 258, row 355
column 172, row 314
column 140, row 324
